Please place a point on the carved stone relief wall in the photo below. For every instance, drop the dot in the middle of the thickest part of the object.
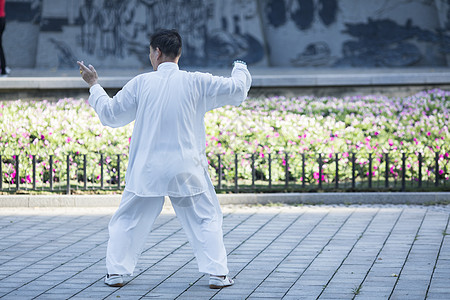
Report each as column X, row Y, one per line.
column 272, row 33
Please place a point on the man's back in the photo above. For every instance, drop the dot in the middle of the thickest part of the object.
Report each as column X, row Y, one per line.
column 168, row 141
column 169, row 118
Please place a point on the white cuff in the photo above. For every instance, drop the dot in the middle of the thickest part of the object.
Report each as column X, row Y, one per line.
column 95, row 91
column 239, row 64
column 94, row 87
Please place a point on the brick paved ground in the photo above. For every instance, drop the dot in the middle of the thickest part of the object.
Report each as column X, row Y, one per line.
column 277, row 252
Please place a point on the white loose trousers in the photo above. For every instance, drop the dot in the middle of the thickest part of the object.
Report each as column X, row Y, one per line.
column 200, row 216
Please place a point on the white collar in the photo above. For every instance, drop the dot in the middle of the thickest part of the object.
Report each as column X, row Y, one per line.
column 168, row 66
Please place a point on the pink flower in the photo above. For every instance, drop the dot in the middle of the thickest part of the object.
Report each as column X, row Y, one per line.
column 390, row 142
column 428, row 133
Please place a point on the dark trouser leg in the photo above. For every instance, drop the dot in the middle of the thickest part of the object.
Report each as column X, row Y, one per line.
column 2, row 54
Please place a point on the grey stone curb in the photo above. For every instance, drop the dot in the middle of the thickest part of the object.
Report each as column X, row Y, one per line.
column 42, row 79
column 287, row 198
column 274, row 79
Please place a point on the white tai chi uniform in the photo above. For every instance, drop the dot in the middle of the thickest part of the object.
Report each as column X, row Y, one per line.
column 167, row 158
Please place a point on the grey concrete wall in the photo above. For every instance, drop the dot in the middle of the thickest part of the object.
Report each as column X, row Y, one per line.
column 53, row 34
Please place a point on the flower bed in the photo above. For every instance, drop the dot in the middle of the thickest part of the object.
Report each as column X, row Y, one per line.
column 285, row 128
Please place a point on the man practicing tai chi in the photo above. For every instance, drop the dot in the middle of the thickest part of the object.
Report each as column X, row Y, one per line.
column 167, row 156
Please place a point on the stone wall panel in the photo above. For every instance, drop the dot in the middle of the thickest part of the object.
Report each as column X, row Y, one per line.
column 268, row 33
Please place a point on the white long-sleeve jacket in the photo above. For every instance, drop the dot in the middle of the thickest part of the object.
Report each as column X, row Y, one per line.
column 167, row 149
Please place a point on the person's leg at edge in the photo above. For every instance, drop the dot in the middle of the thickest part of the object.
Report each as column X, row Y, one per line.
column 2, row 54
column 201, row 218
column 128, row 229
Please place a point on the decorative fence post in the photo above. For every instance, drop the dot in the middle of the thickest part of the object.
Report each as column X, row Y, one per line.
column 320, row 171
column 403, row 171
column 34, row 172
column 270, row 171
column 51, row 172
column 303, row 170
column 386, row 177
column 436, row 181
column 68, row 175
column 253, row 171
column 337, row 171
column 118, row 171
column 286, row 170
column 84, row 171
column 353, row 171
column 370, row 170
column 17, row 173
column 101, row 170
column 420, row 169
column 236, row 187
column 219, row 158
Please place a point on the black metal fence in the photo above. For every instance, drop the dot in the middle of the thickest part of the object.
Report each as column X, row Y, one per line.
column 242, row 172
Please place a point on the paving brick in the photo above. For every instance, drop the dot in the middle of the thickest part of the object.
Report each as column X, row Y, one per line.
column 302, row 252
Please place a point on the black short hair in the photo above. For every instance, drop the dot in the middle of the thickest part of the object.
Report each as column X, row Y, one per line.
column 168, row 41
